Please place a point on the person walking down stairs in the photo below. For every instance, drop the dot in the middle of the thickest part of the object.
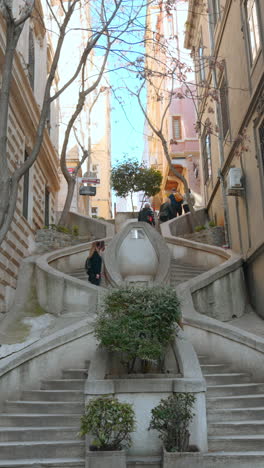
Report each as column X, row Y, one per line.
column 93, row 264
column 147, row 215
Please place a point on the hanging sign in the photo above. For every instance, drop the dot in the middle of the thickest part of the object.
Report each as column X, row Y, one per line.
column 91, row 191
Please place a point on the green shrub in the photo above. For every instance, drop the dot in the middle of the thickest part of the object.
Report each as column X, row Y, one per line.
column 171, row 418
column 63, row 229
column 110, row 422
column 139, row 322
column 199, row 228
column 75, row 230
column 211, row 224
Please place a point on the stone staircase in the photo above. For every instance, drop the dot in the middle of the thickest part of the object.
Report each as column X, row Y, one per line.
column 235, row 417
column 40, row 429
column 181, row 272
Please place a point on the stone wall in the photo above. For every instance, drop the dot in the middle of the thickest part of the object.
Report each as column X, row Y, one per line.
column 50, row 239
column 210, row 235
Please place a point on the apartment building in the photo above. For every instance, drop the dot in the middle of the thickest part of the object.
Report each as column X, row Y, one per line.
column 37, row 189
column 226, row 39
column 164, row 46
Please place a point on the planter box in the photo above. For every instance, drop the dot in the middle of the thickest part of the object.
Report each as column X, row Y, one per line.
column 100, row 459
column 182, row 459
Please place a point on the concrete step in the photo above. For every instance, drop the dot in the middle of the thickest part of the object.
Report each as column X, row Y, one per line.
column 235, row 414
column 22, row 434
column 236, row 428
column 237, row 401
column 54, row 449
column 46, row 407
column 235, row 389
column 236, row 443
column 225, row 459
column 44, row 463
column 63, row 384
column 143, row 462
column 41, row 420
column 230, row 378
column 53, row 395
column 75, row 374
column 214, row 369
column 187, row 267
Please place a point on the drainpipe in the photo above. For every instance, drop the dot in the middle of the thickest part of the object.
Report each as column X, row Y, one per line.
column 220, row 144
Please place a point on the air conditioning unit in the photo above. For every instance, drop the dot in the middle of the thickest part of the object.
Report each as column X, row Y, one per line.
column 235, row 181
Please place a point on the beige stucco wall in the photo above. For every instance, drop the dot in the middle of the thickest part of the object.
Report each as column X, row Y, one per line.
column 245, row 90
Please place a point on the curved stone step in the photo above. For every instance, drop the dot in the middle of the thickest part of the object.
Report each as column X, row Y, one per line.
column 63, row 384
column 22, row 434
column 242, row 443
column 41, row 463
column 53, row 395
column 237, row 401
column 236, row 427
column 228, row 377
column 40, row 419
column 235, row 389
column 45, row 407
column 33, row 449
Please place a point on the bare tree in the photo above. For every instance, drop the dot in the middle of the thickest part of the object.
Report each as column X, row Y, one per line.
column 9, row 180
column 98, row 35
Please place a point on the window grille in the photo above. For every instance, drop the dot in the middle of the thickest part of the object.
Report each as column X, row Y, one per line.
column 31, row 59
column 201, row 63
column 176, row 128
column 207, row 157
column 261, row 140
column 253, row 28
column 224, row 107
column 215, row 11
column 47, row 206
column 25, row 192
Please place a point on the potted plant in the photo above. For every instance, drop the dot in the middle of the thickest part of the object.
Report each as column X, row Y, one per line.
column 171, row 418
column 139, row 323
column 109, row 424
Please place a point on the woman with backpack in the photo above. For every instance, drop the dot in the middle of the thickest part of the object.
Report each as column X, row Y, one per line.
column 175, row 199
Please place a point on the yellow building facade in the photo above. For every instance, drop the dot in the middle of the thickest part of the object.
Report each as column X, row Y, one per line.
column 168, row 107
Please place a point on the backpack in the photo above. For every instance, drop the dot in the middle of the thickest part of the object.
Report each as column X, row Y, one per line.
column 164, row 214
column 146, row 215
column 178, row 197
column 149, row 219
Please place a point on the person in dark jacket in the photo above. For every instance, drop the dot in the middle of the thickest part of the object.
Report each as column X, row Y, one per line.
column 175, row 199
column 93, row 264
column 147, row 215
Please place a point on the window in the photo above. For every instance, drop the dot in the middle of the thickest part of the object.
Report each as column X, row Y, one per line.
column 94, row 212
column 176, row 128
column 95, row 170
column 215, row 11
column 170, row 25
column 261, row 139
column 224, row 107
column 47, row 206
column 25, row 192
column 207, row 157
column 253, row 28
column 31, row 59
column 201, row 65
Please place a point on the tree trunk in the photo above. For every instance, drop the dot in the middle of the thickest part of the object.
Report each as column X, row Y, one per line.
column 67, row 205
